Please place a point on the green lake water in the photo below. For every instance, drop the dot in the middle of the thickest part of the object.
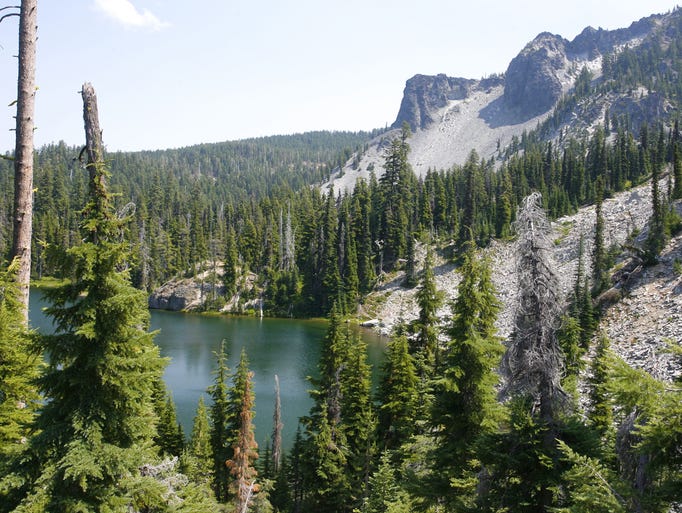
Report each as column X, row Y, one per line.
column 286, row 347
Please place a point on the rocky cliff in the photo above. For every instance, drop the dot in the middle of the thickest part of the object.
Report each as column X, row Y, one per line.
column 450, row 117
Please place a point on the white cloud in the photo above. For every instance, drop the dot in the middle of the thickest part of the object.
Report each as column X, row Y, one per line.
column 126, row 13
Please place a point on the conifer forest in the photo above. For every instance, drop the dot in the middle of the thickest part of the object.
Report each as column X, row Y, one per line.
column 461, row 419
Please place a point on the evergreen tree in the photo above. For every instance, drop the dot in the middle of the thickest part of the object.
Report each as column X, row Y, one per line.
column 656, row 238
column 198, row 456
column 600, row 276
column 465, row 406
column 357, row 416
column 170, row 437
column 396, row 198
column 385, row 494
column 397, row 395
column 677, row 171
column 332, row 286
column 411, row 264
column 96, row 427
column 363, row 236
column 230, row 273
column 18, row 370
column 600, row 407
column 245, row 449
column 429, row 299
column 219, row 418
column 328, row 487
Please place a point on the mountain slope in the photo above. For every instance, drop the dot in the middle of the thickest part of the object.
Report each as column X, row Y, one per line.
column 639, row 325
column 544, row 87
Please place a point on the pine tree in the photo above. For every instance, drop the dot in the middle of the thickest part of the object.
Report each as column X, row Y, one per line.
column 96, row 427
column 245, row 449
column 219, row 417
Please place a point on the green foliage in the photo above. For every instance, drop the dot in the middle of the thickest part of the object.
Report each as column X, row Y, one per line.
column 429, row 299
column 465, row 404
column 96, row 427
column 657, row 433
column 18, row 397
column 587, row 485
column 197, row 458
column 219, row 417
column 385, row 494
column 397, row 396
column 340, row 429
column 170, row 437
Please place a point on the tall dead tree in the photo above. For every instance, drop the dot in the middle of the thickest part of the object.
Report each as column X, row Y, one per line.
column 23, row 152
column 533, row 362
column 277, row 430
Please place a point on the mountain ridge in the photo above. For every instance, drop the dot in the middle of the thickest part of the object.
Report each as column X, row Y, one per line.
column 451, row 117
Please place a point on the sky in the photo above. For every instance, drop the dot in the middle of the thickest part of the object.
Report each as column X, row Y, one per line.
column 171, row 73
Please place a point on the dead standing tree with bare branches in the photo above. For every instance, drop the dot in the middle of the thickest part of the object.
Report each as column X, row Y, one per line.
column 23, row 152
column 533, row 362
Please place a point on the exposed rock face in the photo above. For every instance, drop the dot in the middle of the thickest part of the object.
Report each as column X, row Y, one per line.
column 176, row 296
column 424, row 95
column 532, row 82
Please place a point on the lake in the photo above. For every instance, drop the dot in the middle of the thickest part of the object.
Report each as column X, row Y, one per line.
column 289, row 348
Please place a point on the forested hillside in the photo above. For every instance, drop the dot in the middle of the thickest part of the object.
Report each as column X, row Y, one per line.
column 547, row 420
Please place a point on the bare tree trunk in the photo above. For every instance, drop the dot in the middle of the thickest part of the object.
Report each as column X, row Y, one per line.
column 277, row 430
column 23, row 153
column 94, row 151
column 93, row 134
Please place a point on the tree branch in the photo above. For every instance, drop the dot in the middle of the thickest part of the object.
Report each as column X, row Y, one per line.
column 9, row 16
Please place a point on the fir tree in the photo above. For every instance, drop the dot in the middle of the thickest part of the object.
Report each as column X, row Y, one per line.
column 357, row 415
column 677, row 171
column 600, row 407
column 657, row 227
column 429, row 299
column 96, row 427
column 230, row 273
column 600, row 276
column 197, row 458
column 465, row 406
column 170, row 437
column 411, row 264
column 385, row 494
column 245, row 449
column 219, row 417
column 397, row 396
column 18, row 370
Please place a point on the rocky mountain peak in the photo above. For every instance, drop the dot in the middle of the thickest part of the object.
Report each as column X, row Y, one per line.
column 425, row 95
column 532, row 81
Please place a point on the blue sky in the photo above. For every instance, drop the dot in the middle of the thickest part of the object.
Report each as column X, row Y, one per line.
column 172, row 73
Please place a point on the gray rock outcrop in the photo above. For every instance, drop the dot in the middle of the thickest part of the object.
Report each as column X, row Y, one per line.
column 532, row 82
